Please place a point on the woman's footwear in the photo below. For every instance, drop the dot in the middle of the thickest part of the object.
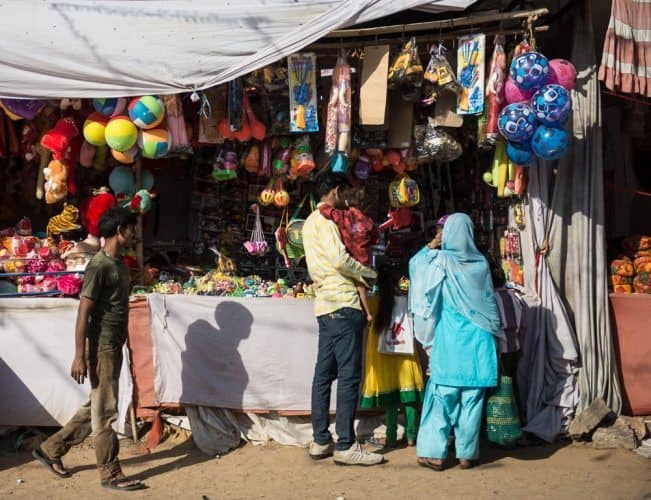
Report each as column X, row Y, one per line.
column 382, row 443
column 411, row 442
column 467, row 464
column 431, row 463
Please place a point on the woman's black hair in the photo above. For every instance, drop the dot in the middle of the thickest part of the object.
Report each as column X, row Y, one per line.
column 386, row 286
column 113, row 218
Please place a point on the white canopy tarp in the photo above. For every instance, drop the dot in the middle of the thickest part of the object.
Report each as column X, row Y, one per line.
column 112, row 48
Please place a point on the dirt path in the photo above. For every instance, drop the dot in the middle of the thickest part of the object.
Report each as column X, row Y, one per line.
column 178, row 470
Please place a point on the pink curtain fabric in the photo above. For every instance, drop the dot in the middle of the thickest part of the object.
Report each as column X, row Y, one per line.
column 626, row 60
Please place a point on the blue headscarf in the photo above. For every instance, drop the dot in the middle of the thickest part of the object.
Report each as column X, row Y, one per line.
column 460, row 274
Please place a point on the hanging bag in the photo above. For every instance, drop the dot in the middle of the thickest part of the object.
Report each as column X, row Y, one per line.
column 404, row 192
column 294, row 230
column 257, row 245
column 398, row 337
column 502, row 416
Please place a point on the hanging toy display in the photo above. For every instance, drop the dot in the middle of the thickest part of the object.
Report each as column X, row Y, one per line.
column 154, row 143
column 146, row 112
column 257, row 244
column 120, row 133
column 267, row 195
column 552, row 105
column 302, row 92
column 406, row 72
column 404, row 192
column 549, row 143
column 282, row 156
column 252, row 159
column 302, row 161
column 337, row 132
column 281, row 196
column 225, row 164
column 111, row 106
column 530, row 70
column 520, row 153
column 495, row 88
column 439, row 76
column 563, row 73
column 470, row 71
column 94, row 129
column 517, row 122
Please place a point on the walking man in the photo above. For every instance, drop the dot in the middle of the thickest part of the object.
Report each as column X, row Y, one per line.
column 100, row 332
column 341, row 327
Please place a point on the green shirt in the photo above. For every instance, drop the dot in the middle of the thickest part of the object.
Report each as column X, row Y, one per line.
column 106, row 282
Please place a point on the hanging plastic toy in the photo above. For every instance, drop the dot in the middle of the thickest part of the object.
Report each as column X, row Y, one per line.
column 257, row 245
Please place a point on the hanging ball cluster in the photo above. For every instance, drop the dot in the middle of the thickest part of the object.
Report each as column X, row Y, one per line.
column 538, row 93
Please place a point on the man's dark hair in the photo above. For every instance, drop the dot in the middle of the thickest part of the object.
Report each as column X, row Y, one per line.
column 329, row 181
column 114, row 217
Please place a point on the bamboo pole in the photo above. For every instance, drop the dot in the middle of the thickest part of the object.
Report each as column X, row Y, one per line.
column 439, row 25
column 140, row 244
column 329, row 46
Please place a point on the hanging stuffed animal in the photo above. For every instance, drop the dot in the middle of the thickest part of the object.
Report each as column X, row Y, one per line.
column 102, row 200
column 64, row 141
column 141, row 202
column 56, row 181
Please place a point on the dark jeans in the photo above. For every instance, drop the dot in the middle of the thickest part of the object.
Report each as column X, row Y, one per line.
column 339, row 357
column 103, row 363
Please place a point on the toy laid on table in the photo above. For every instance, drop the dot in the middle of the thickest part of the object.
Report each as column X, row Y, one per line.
column 66, row 221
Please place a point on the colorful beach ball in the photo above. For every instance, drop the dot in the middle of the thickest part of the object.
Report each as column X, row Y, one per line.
column 520, row 153
column 155, row 143
column 95, row 128
column 110, row 106
column 550, row 143
column 120, row 133
column 552, row 105
column 530, row 70
column 562, row 72
column 127, row 157
column 517, row 122
column 147, row 111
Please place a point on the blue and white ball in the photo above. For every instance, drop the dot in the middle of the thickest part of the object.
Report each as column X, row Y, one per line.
column 147, row 112
column 530, row 70
column 552, row 105
column 550, row 143
column 517, row 122
column 111, row 106
column 520, row 153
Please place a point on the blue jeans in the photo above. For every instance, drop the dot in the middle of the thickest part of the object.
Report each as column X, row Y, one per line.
column 339, row 357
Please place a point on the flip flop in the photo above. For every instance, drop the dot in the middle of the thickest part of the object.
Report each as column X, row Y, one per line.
column 39, row 455
column 129, row 484
column 427, row 462
column 467, row 464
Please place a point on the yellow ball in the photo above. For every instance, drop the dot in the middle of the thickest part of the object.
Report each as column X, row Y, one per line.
column 121, row 134
column 95, row 129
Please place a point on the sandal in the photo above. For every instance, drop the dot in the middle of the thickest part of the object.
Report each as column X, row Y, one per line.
column 124, row 484
column 431, row 463
column 467, row 464
column 40, row 455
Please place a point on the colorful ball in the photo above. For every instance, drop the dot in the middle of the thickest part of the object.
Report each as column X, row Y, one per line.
column 122, row 181
column 127, row 157
column 111, row 106
column 517, row 122
column 154, row 143
column 147, row 179
column 147, row 111
column 95, row 128
column 563, row 73
column 530, row 70
column 550, row 143
column 120, row 133
column 514, row 94
column 552, row 105
column 520, row 153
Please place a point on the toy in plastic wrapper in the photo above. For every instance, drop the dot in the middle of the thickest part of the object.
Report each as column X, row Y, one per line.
column 406, row 70
column 495, row 88
column 470, row 71
column 438, row 144
column 303, row 94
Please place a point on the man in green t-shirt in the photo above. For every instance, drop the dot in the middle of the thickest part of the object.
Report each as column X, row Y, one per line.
column 100, row 332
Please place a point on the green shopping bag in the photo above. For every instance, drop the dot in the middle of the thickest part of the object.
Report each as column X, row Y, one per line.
column 502, row 418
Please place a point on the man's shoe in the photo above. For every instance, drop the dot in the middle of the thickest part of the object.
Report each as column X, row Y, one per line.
column 356, row 455
column 321, row 451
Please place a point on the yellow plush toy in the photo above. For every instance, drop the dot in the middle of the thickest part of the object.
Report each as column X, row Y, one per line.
column 56, row 181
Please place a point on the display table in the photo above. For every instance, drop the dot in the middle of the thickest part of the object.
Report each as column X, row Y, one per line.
column 630, row 316
column 37, row 344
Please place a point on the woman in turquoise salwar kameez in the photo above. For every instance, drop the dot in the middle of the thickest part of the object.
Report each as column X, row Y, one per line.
column 455, row 315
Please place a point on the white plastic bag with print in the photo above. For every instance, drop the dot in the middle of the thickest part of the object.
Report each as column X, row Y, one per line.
column 398, row 337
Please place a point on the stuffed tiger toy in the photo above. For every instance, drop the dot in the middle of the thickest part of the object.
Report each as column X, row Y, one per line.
column 65, row 221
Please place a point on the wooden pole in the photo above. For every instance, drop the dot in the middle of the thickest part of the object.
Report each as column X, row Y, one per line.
column 140, row 244
column 439, row 25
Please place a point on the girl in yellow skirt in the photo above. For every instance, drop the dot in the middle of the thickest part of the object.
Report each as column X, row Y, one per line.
column 391, row 380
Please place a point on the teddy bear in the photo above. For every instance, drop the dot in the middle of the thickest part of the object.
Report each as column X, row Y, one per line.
column 56, row 177
column 64, row 141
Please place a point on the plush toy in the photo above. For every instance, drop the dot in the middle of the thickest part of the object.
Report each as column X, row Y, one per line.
column 28, row 143
column 141, row 201
column 98, row 204
column 59, row 138
column 63, row 222
column 56, row 177
column 70, row 103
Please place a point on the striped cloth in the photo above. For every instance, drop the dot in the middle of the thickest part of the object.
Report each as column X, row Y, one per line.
column 626, row 61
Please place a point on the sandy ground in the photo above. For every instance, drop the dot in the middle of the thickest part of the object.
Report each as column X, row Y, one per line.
column 177, row 469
